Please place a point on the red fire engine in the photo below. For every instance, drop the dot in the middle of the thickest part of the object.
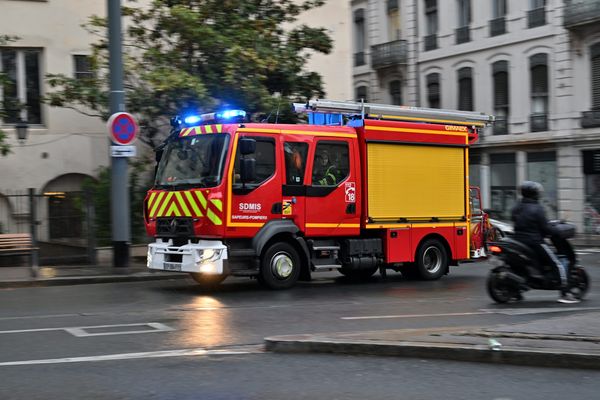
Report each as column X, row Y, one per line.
column 361, row 187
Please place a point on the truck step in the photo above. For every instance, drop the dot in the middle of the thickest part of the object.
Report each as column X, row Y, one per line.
column 327, row 248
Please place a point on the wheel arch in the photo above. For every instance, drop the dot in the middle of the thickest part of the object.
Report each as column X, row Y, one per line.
column 439, row 238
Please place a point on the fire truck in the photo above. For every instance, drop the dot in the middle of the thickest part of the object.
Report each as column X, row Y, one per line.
column 361, row 187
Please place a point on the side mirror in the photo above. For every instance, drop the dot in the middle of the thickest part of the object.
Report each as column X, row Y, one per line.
column 247, row 146
column 247, row 170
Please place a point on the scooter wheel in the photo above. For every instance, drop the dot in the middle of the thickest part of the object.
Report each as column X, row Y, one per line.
column 499, row 291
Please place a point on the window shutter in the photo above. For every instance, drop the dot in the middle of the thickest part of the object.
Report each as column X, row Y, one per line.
column 595, row 53
column 465, row 89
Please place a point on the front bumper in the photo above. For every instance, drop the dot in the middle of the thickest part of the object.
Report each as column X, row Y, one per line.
column 207, row 257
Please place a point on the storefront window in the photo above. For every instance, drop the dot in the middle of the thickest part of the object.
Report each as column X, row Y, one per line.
column 541, row 167
column 591, row 169
column 503, row 173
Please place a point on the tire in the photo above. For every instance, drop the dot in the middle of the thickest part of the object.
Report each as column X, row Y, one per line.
column 580, row 282
column 499, row 291
column 280, row 266
column 358, row 275
column 432, row 260
column 207, row 281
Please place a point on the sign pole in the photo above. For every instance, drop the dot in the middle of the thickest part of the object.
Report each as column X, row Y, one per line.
column 119, row 172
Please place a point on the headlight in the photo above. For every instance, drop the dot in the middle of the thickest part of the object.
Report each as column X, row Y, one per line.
column 210, row 255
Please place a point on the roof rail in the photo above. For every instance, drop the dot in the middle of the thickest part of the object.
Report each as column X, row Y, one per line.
column 404, row 113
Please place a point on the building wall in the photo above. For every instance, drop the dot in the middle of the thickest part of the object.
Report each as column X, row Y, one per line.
column 66, row 141
column 569, row 76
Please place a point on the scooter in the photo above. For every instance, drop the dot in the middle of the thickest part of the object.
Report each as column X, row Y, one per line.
column 517, row 268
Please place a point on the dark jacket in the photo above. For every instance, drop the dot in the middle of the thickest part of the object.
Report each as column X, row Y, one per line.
column 531, row 225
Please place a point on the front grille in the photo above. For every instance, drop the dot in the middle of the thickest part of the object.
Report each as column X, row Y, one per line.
column 174, row 227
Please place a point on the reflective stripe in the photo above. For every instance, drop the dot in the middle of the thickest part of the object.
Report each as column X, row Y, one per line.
column 193, row 203
column 164, row 204
column 200, row 197
column 184, row 209
column 218, row 203
column 213, row 217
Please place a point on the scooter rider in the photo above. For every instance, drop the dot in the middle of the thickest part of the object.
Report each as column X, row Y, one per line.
column 531, row 227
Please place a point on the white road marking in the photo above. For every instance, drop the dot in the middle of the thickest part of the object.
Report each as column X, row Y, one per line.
column 82, row 331
column 415, row 315
column 505, row 311
column 133, row 356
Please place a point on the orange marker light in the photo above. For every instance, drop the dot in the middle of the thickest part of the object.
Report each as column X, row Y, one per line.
column 495, row 249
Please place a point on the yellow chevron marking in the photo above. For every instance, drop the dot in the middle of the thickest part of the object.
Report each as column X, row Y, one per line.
column 151, row 199
column 192, row 201
column 217, row 203
column 173, row 210
column 314, row 133
column 219, row 128
column 208, row 129
column 200, row 197
column 213, row 217
column 186, row 211
column 164, row 204
column 159, row 198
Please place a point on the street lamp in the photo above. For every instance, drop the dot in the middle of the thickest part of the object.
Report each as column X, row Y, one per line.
column 21, row 129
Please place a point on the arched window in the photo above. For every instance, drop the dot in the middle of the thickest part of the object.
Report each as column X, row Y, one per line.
column 465, row 89
column 396, row 92
column 501, row 96
column 361, row 94
column 433, row 90
column 538, row 67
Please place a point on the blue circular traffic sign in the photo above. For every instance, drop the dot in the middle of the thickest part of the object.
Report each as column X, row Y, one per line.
column 122, row 128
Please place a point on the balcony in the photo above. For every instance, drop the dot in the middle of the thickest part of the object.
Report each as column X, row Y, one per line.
column 580, row 13
column 389, row 54
column 538, row 122
column 463, row 35
column 590, row 119
column 359, row 59
column 431, row 42
column 498, row 26
column 536, row 17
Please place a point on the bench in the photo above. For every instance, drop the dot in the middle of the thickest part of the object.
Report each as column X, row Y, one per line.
column 16, row 244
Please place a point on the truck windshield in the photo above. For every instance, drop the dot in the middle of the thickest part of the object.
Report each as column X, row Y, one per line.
column 195, row 161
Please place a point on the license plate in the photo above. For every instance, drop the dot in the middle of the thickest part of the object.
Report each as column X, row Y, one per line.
column 171, row 266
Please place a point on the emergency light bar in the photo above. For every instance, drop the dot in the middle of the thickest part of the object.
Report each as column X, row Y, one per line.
column 220, row 117
column 386, row 111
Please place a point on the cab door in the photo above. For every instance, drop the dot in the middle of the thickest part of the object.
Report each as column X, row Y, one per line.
column 332, row 191
column 255, row 203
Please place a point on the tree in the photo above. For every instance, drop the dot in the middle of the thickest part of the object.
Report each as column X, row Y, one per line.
column 4, row 80
column 202, row 55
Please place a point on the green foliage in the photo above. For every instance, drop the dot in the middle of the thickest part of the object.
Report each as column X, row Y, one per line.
column 101, row 194
column 201, row 55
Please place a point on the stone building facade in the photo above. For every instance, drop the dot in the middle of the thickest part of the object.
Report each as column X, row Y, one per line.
column 534, row 64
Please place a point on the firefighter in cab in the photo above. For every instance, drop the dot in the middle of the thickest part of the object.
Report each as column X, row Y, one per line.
column 324, row 172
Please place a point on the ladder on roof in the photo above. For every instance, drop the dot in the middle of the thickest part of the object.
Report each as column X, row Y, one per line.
column 386, row 111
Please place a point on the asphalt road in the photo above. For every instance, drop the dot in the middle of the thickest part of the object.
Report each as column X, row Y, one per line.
column 171, row 340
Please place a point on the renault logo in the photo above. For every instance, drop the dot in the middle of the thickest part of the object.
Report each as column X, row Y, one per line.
column 173, row 226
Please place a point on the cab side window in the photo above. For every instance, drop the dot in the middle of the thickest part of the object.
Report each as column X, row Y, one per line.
column 265, row 161
column 295, row 162
column 331, row 164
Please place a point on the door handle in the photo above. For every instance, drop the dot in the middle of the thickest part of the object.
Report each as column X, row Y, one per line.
column 277, row 208
column 351, row 208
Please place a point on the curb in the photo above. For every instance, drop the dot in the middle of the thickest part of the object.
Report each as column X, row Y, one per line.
column 81, row 280
column 445, row 351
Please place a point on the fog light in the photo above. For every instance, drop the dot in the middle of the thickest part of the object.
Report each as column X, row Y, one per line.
column 208, row 268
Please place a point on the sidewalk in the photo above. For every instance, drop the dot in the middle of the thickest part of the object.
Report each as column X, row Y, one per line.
column 21, row 276
column 570, row 341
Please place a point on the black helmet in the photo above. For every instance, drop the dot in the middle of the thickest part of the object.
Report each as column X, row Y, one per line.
column 531, row 190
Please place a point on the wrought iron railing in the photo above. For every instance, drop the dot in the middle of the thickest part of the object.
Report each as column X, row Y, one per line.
column 390, row 53
column 581, row 12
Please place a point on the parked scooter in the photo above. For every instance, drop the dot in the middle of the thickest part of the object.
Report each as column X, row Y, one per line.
column 517, row 268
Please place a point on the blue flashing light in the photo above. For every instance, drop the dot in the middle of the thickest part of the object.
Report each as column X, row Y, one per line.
column 191, row 119
column 229, row 114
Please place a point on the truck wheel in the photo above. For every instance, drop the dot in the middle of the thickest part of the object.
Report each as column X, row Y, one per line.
column 207, row 281
column 358, row 275
column 280, row 266
column 432, row 260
